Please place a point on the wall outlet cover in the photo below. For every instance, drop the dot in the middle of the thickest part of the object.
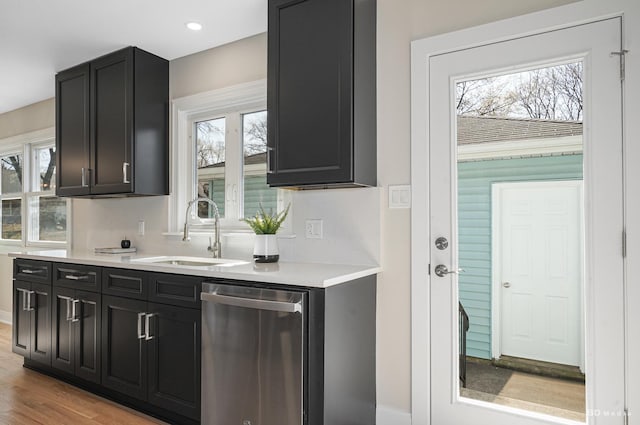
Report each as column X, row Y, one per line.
column 313, row 229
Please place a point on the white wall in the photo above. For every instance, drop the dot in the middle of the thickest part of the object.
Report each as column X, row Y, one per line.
column 359, row 228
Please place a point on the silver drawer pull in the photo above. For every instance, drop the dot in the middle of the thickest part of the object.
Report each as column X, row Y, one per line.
column 76, row 276
column 31, row 271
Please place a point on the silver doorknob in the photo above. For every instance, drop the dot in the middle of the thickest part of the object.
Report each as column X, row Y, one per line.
column 441, row 270
column 442, row 243
column 507, row 284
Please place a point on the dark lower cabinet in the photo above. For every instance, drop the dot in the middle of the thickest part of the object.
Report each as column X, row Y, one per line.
column 32, row 321
column 124, row 349
column 152, row 352
column 76, row 333
column 173, row 355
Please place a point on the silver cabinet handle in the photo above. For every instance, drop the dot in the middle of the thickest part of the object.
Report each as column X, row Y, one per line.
column 69, row 315
column 26, row 299
column 74, row 317
column 84, row 178
column 29, row 307
column 31, row 271
column 125, row 178
column 252, row 303
column 147, row 319
column 76, row 277
column 269, row 169
column 68, row 301
column 140, row 334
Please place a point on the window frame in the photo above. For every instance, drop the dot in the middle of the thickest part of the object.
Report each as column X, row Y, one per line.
column 27, row 145
column 229, row 102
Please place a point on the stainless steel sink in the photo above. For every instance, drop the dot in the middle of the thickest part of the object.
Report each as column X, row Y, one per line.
column 188, row 261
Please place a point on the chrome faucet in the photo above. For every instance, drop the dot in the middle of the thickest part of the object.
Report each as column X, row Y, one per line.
column 216, row 247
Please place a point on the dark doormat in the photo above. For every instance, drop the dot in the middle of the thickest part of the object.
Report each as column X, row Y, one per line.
column 486, row 378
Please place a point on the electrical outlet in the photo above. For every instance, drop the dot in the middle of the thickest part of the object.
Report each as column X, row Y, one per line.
column 313, row 229
column 140, row 227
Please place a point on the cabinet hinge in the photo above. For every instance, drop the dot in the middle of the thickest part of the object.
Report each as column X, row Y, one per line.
column 621, row 54
column 624, row 244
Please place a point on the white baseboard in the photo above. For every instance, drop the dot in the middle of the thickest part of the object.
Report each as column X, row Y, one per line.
column 389, row 416
column 5, row 317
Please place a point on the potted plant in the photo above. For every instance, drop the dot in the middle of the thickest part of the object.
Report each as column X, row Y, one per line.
column 265, row 225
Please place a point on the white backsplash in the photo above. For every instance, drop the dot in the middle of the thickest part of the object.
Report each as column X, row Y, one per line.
column 351, row 233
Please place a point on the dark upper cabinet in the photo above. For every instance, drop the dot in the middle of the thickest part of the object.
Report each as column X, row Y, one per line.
column 321, row 93
column 112, row 123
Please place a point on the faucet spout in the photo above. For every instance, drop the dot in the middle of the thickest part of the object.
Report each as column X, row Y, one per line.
column 216, row 247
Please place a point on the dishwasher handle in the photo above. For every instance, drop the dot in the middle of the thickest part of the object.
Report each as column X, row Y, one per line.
column 282, row 306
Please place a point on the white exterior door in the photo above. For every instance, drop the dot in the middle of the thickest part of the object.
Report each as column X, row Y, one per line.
column 537, row 242
column 434, row 124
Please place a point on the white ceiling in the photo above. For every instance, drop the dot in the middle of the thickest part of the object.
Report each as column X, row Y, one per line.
column 41, row 37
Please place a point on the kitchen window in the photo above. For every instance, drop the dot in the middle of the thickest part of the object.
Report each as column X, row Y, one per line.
column 31, row 213
column 220, row 147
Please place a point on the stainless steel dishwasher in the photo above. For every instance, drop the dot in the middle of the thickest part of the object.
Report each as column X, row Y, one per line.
column 252, row 355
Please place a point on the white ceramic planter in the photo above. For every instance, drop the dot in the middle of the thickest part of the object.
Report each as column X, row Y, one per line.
column 265, row 249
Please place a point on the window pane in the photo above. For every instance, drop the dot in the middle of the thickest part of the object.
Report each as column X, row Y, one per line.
column 210, row 161
column 49, row 219
column 11, row 174
column 46, row 166
column 11, row 218
column 254, row 141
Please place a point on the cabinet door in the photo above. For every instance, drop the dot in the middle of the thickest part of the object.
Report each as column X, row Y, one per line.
column 87, row 335
column 310, row 92
column 112, row 123
column 63, row 329
column 41, row 323
column 72, row 131
column 174, row 359
column 124, row 350
column 21, row 343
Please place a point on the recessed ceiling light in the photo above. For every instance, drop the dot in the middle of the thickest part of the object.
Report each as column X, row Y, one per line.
column 194, row 26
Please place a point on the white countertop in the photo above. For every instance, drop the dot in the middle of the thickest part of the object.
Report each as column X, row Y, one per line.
column 315, row 275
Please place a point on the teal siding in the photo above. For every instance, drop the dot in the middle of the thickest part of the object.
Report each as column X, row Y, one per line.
column 474, row 230
column 257, row 192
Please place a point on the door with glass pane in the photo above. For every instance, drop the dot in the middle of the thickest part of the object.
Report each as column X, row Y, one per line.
column 543, row 110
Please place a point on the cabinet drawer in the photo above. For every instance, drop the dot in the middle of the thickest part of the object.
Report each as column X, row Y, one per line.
column 175, row 289
column 32, row 270
column 125, row 283
column 86, row 278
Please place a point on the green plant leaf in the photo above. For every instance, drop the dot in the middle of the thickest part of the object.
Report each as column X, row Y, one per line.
column 264, row 223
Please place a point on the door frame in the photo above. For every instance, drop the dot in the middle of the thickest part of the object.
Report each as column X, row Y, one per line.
column 496, row 250
column 581, row 12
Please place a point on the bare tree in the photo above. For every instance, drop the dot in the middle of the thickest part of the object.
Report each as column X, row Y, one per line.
column 553, row 93
column 209, row 143
column 255, row 137
column 484, row 97
column 48, row 174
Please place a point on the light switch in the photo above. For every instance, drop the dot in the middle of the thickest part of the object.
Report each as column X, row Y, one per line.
column 400, row 196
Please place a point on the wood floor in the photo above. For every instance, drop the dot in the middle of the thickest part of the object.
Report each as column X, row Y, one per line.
column 28, row 397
